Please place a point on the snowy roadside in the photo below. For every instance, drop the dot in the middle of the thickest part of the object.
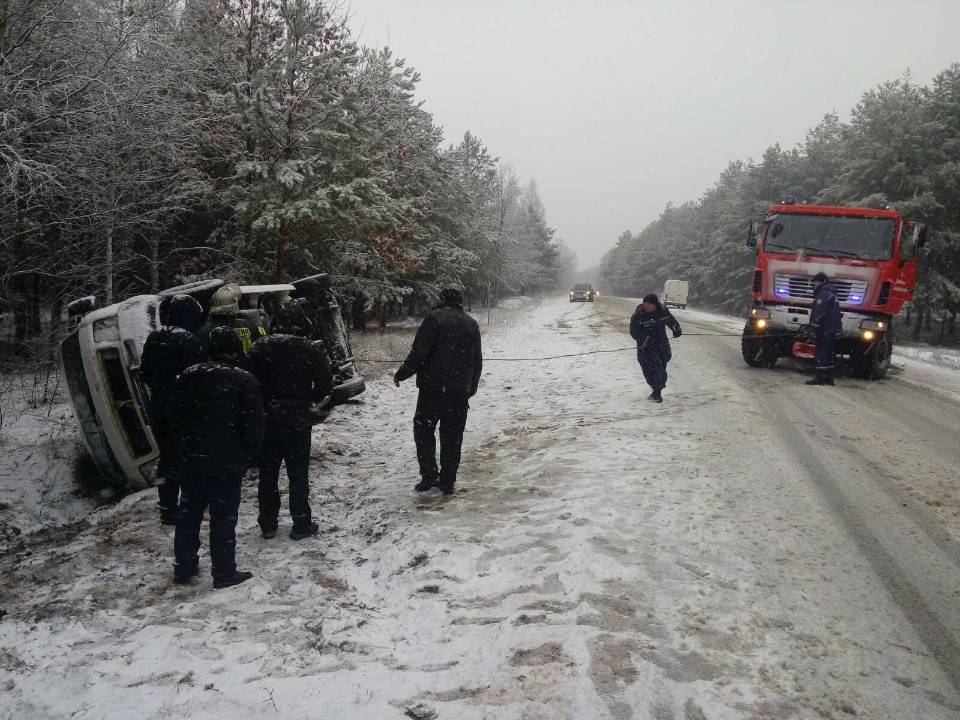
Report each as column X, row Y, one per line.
column 603, row 558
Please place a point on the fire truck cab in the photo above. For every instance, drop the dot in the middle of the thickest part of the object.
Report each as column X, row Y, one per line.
column 870, row 257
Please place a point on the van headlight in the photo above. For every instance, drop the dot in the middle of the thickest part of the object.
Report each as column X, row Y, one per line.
column 106, row 330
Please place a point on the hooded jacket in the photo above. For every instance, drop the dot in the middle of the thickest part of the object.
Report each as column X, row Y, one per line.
column 173, row 348
column 650, row 329
column 446, row 355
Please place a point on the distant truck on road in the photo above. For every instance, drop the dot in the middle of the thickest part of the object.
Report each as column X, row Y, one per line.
column 870, row 257
column 675, row 294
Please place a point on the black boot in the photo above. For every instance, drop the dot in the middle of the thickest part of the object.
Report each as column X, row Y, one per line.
column 238, row 577
column 183, row 577
column 446, row 488
column 820, row 380
column 305, row 531
column 425, row 485
column 656, row 396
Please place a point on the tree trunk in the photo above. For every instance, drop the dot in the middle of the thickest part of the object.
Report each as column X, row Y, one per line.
column 918, row 326
column 53, row 330
column 155, row 264
column 108, row 265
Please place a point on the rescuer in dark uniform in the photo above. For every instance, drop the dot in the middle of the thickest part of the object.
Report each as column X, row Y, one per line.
column 220, row 412
column 225, row 312
column 648, row 327
column 447, row 360
column 827, row 322
column 292, row 372
column 167, row 353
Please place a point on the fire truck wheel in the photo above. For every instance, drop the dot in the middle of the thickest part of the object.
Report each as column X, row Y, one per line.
column 756, row 350
column 874, row 364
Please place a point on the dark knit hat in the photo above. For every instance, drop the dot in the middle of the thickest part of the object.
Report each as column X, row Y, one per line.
column 651, row 298
column 452, row 294
column 821, row 277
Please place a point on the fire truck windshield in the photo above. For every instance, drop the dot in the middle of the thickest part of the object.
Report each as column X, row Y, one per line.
column 832, row 235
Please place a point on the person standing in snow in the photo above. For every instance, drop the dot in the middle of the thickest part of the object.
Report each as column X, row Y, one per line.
column 292, row 372
column 648, row 327
column 826, row 322
column 221, row 420
column 447, row 360
column 167, row 352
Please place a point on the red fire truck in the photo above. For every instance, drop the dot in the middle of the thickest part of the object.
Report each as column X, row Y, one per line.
column 870, row 256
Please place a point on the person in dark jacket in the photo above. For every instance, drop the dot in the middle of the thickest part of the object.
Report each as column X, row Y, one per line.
column 826, row 322
column 293, row 372
column 447, row 360
column 167, row 353
column 648, row 327
column 220, row 412
column 225, row 312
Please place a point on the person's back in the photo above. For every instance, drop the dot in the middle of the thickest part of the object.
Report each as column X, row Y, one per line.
column 293, row 373
column 446, row 354
column 166, row 353
column 446, row 357
column 221, row 417
column 174, row 347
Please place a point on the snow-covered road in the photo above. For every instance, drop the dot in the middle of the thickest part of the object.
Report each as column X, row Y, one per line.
column 753, row 548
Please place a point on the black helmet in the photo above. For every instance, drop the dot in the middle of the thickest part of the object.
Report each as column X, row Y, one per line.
column 225, row 343
column 183, row 311
column 290, row 319
column 452, row 294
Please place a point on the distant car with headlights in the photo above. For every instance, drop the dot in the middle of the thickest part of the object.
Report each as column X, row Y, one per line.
column 101, row 364
column 583, row 292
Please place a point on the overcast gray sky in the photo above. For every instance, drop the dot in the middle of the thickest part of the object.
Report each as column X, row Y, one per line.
column 617, row 107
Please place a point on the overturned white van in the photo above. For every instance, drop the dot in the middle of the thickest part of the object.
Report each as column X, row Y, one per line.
column 101, row 362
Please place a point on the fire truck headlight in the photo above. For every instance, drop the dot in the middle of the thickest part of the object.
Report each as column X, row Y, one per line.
column 106, row 330
column 761, row 323
column 868, row 335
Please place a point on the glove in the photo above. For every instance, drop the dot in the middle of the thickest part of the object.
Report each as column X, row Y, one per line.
column 677, row 333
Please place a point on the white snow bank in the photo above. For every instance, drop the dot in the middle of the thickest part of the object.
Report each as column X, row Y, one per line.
column 515, row 303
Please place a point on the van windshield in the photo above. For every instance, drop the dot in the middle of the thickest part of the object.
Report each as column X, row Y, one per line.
column 832, row 235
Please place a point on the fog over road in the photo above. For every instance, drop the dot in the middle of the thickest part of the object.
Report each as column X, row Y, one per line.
column 752, row 548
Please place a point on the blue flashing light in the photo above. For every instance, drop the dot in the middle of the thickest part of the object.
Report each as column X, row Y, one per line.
column 856, row 298
column 782, row 291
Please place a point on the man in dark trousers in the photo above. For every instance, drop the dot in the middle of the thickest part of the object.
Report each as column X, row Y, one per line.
column 221, row 417
column 447, row 360
column 827, row 322
column 293, row 372
column 167, row 353
column 648, row 327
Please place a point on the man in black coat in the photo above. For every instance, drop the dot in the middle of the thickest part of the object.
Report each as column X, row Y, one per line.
column 220, row 412
column 167, row 353
column 447, row 360
column 648, row 327
column 826, row 322
column 293, row 372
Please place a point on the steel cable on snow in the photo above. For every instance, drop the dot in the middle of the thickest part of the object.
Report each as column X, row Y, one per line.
column 544, row 358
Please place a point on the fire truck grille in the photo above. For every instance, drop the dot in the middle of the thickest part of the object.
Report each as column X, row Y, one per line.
column 800, row 287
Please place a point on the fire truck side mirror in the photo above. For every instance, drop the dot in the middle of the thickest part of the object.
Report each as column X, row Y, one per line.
column 919, row 235
column 753, row 233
